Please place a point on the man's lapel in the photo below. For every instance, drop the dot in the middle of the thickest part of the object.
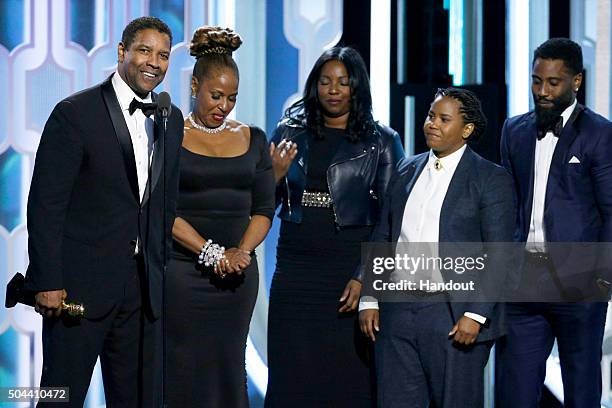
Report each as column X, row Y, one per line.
column 525, row 162
column 122, row 133
column 158, row 154
column 559, row 159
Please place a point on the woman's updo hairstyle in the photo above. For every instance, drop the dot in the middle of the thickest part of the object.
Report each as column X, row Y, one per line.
column 212, row 46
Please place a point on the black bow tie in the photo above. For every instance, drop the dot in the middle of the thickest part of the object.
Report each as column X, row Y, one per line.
column 556, row 128
column 146, row 108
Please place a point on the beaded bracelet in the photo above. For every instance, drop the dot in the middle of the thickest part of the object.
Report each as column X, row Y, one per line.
column 214, row 254
column 203, row 251
column 211, row 253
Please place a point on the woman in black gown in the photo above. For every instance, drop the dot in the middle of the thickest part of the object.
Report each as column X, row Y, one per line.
column 331, row 161
column 226, row 199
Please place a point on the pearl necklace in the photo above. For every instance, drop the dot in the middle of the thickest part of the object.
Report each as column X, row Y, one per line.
column 204, row 128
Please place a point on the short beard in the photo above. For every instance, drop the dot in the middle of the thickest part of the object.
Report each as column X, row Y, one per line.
column 547, row 117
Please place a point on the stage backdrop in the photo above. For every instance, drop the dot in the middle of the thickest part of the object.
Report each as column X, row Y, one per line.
column 50, row 49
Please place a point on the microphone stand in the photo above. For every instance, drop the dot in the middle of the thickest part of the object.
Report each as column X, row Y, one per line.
column 164, row 107
column 165, row 255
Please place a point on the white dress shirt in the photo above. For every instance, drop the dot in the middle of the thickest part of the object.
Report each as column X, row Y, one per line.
column 544, row 150
column 424, row 205
column 425, row 200
column 140, row 127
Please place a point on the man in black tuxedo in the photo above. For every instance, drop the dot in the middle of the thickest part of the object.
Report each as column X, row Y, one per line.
column 560, row 156
column 96, row 225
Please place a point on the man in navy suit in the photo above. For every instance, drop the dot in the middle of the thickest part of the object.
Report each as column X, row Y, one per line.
column 432, row 350
column 96, row 225
column 560, row 156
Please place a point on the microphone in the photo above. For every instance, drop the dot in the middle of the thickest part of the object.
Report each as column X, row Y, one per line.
column 164, row 107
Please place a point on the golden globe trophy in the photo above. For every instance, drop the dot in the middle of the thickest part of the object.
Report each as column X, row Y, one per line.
column 16, row 293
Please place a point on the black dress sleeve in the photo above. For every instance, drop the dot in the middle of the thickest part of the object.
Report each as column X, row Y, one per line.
column 263, row 184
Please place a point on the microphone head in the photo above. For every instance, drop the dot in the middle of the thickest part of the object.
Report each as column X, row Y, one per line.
column 164, row 106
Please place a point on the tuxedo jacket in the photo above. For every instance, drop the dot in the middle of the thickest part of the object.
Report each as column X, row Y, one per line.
column 84, row 212
column 478, row 207
column 578, row 201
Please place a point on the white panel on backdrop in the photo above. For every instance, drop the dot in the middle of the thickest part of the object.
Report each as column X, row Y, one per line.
column 311, row 27
column 603, row 51
column 27, row 57
column 517, row 56
column 380, row 54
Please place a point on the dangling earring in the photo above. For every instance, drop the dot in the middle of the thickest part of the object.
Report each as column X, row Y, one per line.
column 193, row 99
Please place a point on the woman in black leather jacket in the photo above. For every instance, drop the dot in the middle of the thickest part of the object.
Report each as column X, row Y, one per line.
column 332, row 162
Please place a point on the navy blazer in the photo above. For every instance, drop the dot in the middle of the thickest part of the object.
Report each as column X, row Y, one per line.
column 578, row 202
column 478, row 207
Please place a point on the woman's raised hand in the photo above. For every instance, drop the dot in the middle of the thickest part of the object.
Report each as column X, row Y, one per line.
column 282, row 156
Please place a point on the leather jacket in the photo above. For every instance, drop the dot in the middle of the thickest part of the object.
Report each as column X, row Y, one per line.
column 356, row 178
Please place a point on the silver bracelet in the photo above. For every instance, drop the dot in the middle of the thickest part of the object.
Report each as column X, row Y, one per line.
column 214, row 254
column 203, row 251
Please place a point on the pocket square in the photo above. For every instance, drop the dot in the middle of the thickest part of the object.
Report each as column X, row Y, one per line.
column 574, row 160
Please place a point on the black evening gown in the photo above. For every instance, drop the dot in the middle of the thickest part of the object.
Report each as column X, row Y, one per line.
column 208, row 317
column 316, row 356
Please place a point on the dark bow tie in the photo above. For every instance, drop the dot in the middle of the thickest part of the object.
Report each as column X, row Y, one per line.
column 146, row 108
column 556, row 128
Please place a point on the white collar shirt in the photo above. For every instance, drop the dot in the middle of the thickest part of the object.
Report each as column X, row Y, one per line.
column 421, row 219
column 140, row 128
column 544, row 150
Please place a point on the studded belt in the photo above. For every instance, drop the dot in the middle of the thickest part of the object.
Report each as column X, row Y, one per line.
column 316, row 199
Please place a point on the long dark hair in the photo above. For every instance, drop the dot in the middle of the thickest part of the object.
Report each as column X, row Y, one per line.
column 307, row 111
